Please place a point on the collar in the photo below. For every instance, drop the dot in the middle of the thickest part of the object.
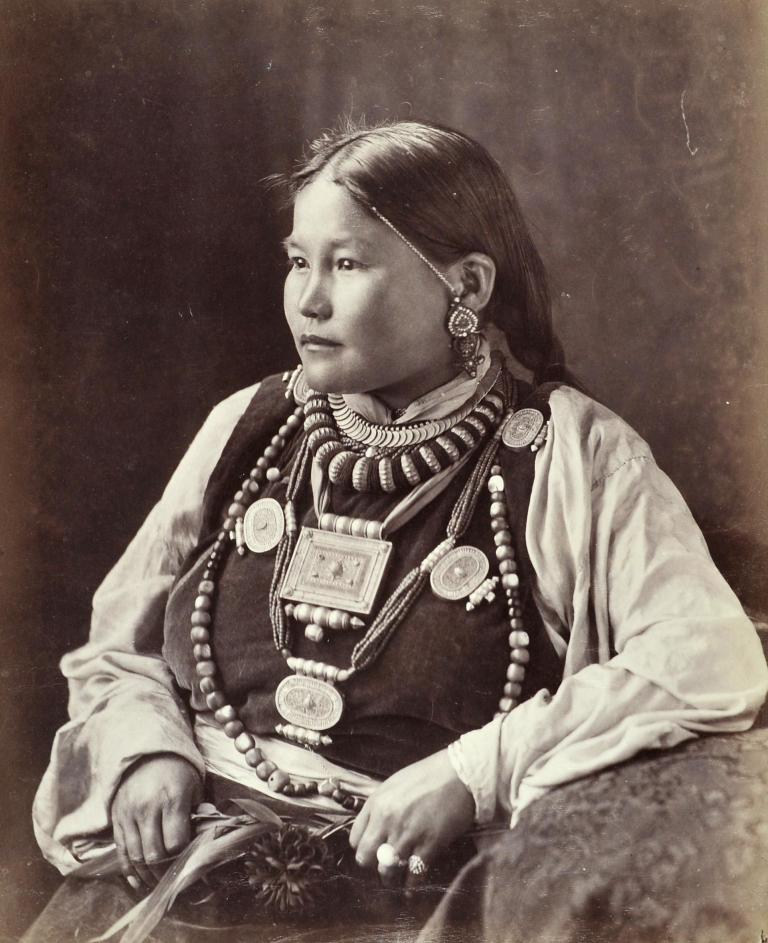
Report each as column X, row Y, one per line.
column 435, row 404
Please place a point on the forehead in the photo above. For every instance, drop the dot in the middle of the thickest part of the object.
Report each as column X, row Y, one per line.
column 325, row 210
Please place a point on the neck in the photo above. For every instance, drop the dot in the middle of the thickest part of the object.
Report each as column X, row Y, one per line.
column 399, row 396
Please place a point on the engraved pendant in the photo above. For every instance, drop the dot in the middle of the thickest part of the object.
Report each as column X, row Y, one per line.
column 263, row 525
column 308, row 702
column 336, row 570
column 522, row 428
column 459, row 573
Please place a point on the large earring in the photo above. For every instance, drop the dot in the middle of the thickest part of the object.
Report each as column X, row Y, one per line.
column 463, row 325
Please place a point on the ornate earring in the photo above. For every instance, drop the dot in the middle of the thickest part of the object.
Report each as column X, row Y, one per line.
column 463, row 325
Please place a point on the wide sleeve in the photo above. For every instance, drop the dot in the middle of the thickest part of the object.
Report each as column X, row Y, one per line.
column 122, row 701
column 656, row 647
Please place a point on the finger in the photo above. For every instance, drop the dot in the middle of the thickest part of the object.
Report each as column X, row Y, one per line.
column 359, row 826
column 369, row 843
column 176, row 830
column 394, row 875
column 135, row 853
column 126, row 867
column 417, row 871
column 155, row 856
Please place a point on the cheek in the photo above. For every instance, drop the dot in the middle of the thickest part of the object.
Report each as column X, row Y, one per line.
column 288, row 295
column 290, row 305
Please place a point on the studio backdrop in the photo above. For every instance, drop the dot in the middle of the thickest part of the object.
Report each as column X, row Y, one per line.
column 142, row 274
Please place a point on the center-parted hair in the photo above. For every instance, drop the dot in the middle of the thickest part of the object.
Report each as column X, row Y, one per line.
column 447, row 194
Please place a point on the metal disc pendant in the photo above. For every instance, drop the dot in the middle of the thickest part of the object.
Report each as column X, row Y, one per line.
column 308, row 702
column 459, row 573
column 263, row 525
column 522, row 428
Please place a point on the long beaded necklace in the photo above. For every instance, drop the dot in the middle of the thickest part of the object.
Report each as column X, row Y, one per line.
column 383, row 626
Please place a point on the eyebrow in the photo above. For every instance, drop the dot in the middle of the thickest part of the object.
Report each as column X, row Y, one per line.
column 291, row 243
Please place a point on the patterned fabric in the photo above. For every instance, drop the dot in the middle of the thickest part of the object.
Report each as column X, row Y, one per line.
column 669, row 848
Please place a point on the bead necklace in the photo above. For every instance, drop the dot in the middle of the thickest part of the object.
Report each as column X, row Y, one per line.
column 225, row 714
column 519, row 639
column 367, row 650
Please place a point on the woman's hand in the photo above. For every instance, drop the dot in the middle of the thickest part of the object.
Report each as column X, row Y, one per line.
column 419, row 810
column 151, row 815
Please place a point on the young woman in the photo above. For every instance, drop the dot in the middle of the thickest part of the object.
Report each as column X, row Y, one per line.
column 456, row 588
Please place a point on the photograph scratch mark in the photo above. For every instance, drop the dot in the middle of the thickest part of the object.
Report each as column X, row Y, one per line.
column 691, row 150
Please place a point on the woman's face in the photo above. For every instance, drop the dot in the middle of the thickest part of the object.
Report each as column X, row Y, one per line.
column 366, row 313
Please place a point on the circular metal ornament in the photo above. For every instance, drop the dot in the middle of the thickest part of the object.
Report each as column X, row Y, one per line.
column 459, row 573
column 308, row 702
column 522, row 428
column 462, row 320
column 263, row 525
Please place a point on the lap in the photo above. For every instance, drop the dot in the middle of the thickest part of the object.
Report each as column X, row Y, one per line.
column 357, row 911
column 670, row 847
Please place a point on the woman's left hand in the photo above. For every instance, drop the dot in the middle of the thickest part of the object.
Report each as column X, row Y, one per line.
column 419, row 810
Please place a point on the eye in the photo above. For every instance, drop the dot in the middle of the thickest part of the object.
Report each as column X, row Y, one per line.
column 347, row 265
column 296, row 263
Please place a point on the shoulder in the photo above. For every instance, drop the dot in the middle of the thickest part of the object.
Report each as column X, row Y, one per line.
column 586, row 433
column 226, row 414
column 219, row 426
column 232, row 407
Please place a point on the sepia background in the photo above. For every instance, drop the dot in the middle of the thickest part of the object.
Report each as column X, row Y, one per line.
column 140, row 275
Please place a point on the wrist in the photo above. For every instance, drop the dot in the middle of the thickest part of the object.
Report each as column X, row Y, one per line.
column 458, row 761
column 472, row 758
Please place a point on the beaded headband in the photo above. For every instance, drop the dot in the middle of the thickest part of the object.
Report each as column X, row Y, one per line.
column 418, row 252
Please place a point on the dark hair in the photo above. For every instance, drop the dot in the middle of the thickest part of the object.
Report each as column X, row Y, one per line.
column 447, row 194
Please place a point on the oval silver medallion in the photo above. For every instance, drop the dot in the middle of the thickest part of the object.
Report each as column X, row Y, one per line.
column 308, row 702
column 459, row 573
column 522, row 428
column 263, row 525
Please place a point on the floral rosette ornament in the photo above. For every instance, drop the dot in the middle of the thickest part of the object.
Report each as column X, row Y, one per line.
column 284, row 873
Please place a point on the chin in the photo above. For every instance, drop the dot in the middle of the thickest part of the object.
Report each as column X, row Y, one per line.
column 325, row 379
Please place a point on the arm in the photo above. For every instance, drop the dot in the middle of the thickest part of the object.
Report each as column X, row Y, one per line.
column 659, row 648
column 123, row 705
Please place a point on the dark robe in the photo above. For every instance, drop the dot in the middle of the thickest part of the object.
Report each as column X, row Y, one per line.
column 442, row 672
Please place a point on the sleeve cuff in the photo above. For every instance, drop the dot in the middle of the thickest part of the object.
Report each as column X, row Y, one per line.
column 475, row 759
column 153, row 727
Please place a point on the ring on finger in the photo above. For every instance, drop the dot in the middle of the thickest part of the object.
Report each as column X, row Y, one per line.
column 387, row 857
column 417, row 865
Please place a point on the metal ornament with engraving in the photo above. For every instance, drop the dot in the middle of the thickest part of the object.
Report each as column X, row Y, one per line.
column 263, row 525
column 336, row 570
column 522, row 428
column 459, row 573
column 308, row 702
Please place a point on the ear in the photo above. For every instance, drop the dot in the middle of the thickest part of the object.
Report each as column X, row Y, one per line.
column 474, row 276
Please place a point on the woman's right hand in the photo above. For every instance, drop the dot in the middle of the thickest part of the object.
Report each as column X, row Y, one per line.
column 151, row 815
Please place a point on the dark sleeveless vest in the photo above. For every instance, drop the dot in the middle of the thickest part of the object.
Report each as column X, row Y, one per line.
column 443, row 670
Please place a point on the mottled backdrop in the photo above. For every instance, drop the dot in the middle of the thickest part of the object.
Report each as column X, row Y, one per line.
column 141, row 280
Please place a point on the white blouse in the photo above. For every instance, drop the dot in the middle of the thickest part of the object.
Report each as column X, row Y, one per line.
column 655, row 645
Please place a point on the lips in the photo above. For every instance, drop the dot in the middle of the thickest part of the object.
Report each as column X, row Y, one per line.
column 313, row 340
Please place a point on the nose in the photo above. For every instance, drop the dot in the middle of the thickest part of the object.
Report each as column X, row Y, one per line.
column 314, row 301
